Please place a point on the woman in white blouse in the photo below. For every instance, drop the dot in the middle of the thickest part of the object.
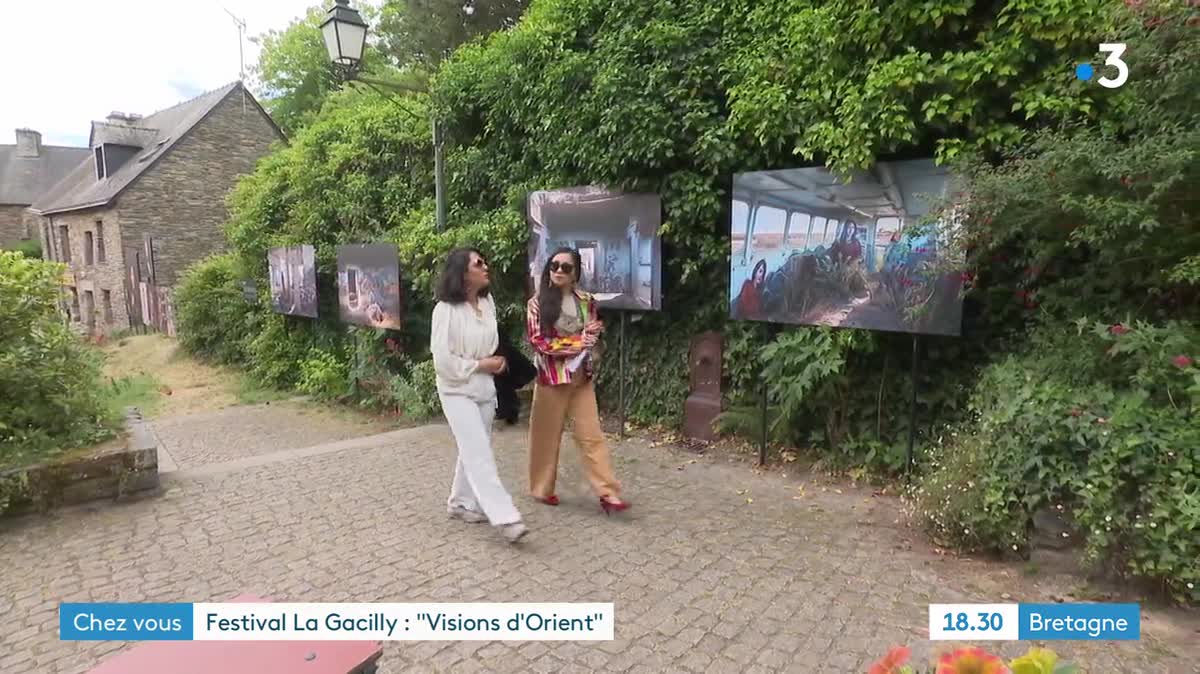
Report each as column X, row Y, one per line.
column 463, row 340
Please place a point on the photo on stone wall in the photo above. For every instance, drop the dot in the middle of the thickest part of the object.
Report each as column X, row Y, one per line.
column 871, row 252
column 293, row 271
column 368, row 281
column 616, row 235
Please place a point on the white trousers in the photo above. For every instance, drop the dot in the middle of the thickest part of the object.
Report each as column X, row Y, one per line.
column 476, row 483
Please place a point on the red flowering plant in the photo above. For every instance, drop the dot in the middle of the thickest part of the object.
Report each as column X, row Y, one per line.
column 974, row 660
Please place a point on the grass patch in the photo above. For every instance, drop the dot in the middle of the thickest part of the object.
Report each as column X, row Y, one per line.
column 140, row 390
column 251, row 392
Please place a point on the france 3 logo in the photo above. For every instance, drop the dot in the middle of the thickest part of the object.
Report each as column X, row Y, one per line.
column 1086, row 72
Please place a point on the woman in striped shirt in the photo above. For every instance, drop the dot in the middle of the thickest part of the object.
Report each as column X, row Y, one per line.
column 564, row 328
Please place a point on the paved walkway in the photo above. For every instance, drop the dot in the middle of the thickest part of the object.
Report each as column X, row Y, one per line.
column 715, row 569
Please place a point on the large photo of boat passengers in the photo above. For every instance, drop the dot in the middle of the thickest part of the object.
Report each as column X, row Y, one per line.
column 810, row 249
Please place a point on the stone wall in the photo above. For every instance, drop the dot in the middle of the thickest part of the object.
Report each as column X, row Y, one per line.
column 12, row 225
column 180, row 201
column 99, row 276
column 130, row 471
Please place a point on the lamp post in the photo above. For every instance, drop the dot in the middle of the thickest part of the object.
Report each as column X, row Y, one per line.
column 345, row 35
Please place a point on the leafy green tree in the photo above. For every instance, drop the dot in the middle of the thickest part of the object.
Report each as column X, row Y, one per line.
column 423, row 32
column 294, row 73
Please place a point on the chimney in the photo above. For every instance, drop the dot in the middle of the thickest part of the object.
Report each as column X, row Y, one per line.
column 29, row 143
column 125, row 118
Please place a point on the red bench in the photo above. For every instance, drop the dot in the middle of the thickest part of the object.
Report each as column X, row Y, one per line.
column 246, row 657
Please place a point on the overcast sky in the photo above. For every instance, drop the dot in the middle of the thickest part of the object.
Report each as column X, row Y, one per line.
column 64, row 63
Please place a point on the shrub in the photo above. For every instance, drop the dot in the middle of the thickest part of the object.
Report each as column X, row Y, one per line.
column 212, row 316
column 49, row 380
column 30, row 248
column 1100, row 422
column 324, row 376
column 415, row 394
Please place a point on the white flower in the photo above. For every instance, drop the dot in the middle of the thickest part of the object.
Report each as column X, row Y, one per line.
column 1108, row 518
column 1154, row 525
column 1190, row 586
column 1066, row 535
column 1014, row 546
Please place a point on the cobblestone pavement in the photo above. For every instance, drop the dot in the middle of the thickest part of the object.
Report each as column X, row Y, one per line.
column 715, row 569
column 239, row 432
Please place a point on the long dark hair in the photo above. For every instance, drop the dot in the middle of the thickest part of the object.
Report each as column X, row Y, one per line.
column 451, row 286
column 754, row 274
column 549, row 296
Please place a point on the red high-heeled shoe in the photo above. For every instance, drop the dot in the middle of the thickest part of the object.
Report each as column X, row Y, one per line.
column 550, row 500
column 610, row 507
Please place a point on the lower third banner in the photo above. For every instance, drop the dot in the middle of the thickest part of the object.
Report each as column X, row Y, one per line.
column 268, row 621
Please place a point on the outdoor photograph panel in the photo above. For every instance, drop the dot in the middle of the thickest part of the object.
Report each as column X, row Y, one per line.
column 293, row 273
column 368, row 280
column 808, row 249
column 617, row 238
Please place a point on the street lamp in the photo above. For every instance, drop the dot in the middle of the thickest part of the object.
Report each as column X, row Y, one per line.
column 345, row 35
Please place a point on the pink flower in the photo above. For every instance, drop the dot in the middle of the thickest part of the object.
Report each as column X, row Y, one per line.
column 1181, row 361
column 1118, row 329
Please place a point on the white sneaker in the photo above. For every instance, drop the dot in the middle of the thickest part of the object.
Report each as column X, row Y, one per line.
column 513, row 532
column 466, row 514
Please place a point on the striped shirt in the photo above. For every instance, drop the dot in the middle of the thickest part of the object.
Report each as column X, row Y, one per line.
column 552, row 351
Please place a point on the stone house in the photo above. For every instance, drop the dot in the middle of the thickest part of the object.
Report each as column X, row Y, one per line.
column 27, row 170
column 148, row 201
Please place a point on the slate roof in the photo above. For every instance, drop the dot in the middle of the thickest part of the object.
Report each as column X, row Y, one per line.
column 155, row 134
column 24, row 179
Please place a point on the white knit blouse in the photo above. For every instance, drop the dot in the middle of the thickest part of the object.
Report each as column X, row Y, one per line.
column 459, row 339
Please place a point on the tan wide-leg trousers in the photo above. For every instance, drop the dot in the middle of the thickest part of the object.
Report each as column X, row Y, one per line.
column 552, row 405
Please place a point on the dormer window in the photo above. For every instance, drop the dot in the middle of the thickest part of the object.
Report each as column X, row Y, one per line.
column 100, row 172
column 110, row 157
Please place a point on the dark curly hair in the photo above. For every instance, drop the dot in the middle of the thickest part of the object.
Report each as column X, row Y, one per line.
column 451, row 286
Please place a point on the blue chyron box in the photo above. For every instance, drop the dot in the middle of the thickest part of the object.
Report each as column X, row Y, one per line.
column 1079, row 622
column 124, row 622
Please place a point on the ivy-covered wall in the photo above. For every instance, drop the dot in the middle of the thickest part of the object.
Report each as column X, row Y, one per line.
column 1082, row 210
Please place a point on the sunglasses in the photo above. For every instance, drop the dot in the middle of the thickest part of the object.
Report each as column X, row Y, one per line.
column 479, row 262
column 564, row 267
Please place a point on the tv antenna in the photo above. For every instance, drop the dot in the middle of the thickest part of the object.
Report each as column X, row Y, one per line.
column 241, row 26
